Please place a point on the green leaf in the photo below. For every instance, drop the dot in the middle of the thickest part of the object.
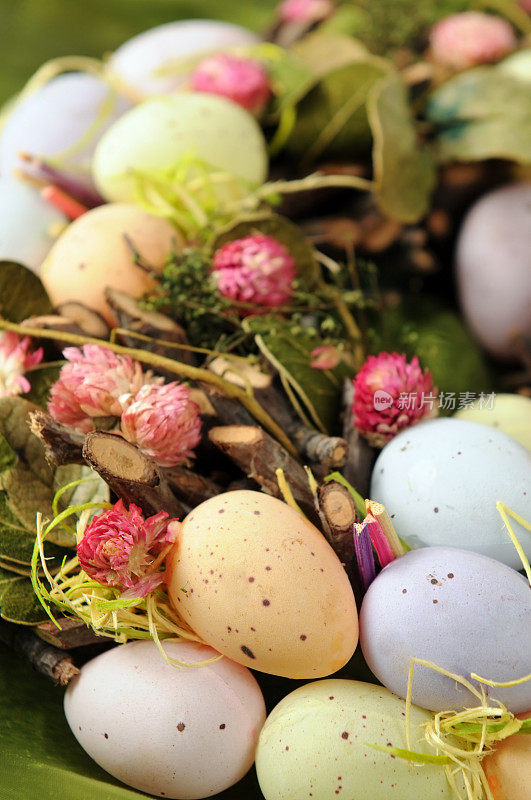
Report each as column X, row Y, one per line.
column 14, row 426
column 17, row 541
column 314, row 394
column 290, row 77
column 41, row 380
column 22, row 294
column 19, row 603
column 404, row 171
column 92, row 490
column 8, row 456
column 324, row 53
column 482, row 113
column 286, row 232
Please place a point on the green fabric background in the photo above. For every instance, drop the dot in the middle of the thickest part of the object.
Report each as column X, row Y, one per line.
column 33, row 31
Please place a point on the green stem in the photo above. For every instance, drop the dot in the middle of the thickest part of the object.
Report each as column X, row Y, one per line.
column 351, row 326
column 316, row 181
column 162, row 363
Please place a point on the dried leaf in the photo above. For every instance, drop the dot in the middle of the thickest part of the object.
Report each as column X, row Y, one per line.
column 41, row 380
column 17, row 541
column 18, row 603
column 404, row 171
column 22, row 294
column 282, row 229
column 290, row 77
column 92, row 490
column 8, row 457
column 482, row 113
column 14, row 426
column 323, row 53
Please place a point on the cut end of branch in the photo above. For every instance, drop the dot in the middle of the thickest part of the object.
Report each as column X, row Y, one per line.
column 109, row 453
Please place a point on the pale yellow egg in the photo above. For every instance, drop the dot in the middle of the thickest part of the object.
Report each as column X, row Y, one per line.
column 260, row 583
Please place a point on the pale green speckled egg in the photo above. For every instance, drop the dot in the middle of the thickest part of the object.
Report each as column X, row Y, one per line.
column 315, row 745
column 510, row 413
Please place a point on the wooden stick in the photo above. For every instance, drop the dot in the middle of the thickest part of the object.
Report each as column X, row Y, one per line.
column 62, row 445
column 73, row 633
column 55, row 664
column 189, row 486
column 361, row 456
column 85, row 318
column 130, row 474
column 259, row 456
column 380, row 514
column 339, row 510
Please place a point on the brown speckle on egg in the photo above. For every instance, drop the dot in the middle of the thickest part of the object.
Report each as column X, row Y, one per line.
column 249, row 653
column 344, row 735
column 181, row 726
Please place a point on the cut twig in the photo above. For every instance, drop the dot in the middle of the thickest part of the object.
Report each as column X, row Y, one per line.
column 88, row 320
column 189, row 486
column 361, row 456
column 259, row 456
column 339, row 509
column 55, row 664
column 73, row 633
column 62, row 445
column 130, row 474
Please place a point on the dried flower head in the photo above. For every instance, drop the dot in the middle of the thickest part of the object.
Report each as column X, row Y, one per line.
column 256, row 269
column 242, row 80
column 305, row 11
column 122, row 549
column 95, row 383
column 471, row 38
column 164, row 422
column 390, row 394
column 15, row 359
column 327, row 356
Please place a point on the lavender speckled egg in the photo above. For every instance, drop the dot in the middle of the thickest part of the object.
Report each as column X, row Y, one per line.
column 440, row 482
column 177, row 732
column 460, row 610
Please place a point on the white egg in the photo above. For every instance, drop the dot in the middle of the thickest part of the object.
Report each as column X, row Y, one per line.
column 56, row 119
column 135, row 66
column 187, row 732
column 494, row 268
column 510, row 413
column 440, row 481
column 27, row 224
column 459, row 610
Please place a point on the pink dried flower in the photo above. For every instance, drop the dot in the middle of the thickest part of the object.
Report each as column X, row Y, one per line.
column 256, row 269
column 526, row 5
column 389, row 395
column 95, row 383
column 242, row 80
column 305, row 11
column 15, row 360
column 120, row 548
column 164, row 423
column 464, row 40
column 325, row 357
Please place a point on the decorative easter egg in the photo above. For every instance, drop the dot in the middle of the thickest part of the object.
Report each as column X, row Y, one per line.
column 219, row 134
column 316, row 744
column 260, row 583
column 186, row 732
column 509, row 413
column 94, row 253
column 508, row 768
column 494, row 268
column 462, row 611
column 143, row 65
column 63, row 121
column 518, row 65
column 440, row 482
column 27, row 224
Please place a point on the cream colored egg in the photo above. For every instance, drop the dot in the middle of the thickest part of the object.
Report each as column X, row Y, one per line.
column 260, row 583
column 316, row 744
column 94, row 252
column 510, row 413
column 176, row 732
column 508, row 769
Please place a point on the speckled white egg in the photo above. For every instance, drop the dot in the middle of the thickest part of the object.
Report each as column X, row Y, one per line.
column 63, row 120
column 27, row 224
column 186, row 733
column 510, row 413
column 138, row 65
column 440, row 481
column 460, row 610
column 494, row 268
column 315, row 744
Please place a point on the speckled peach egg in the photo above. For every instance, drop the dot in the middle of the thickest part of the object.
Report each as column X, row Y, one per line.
column 315, row 745
column 95, row 251
column 260, row 583
column 175, row 732
column 508, row 769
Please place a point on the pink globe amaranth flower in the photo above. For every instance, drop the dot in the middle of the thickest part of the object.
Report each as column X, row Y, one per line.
column 305, row 11
column 325, row 357
column 256, row 269
column 95, row 383
column 120, row 548
column 389, row 395
column 242, row 80
column 471, row 38
column 164, row 422
column 15, row 359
